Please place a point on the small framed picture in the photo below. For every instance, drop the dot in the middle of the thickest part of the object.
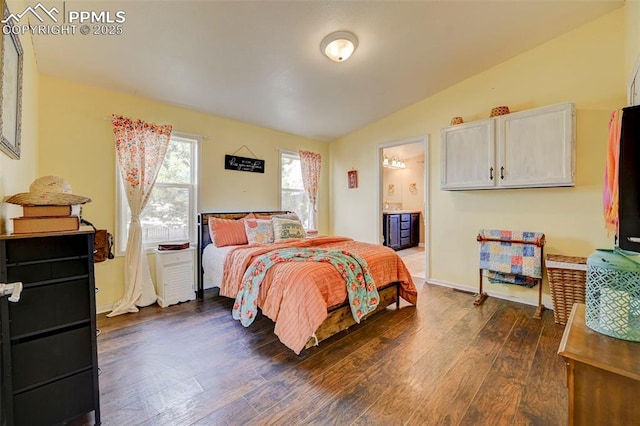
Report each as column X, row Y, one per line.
column 352, row 176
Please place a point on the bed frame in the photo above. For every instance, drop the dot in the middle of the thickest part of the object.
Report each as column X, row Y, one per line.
column 339, row 317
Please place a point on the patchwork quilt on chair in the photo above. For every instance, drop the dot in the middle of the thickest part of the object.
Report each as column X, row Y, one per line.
column 515, row 259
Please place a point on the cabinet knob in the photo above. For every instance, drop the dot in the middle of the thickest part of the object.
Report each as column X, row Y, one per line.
column 502, row 172
column 491, row 173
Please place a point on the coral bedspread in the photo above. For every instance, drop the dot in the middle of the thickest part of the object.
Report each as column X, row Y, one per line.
column 297, row 295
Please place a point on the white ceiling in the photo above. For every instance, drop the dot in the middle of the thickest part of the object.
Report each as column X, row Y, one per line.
column 260, row 62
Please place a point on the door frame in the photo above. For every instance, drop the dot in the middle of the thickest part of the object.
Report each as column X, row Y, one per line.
column 426, row 217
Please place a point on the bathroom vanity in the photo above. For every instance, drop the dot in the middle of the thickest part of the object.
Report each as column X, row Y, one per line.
column 401, row 228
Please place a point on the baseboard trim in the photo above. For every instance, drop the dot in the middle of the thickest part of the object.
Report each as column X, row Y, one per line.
column 103, row 309
column 546, row 298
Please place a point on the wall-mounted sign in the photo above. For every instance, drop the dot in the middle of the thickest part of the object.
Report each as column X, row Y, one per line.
column 243, row 164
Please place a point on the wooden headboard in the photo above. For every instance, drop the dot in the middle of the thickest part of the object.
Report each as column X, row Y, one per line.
column 204, row 238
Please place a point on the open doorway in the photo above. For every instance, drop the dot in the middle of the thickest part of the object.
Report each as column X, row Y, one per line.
column 403, row 188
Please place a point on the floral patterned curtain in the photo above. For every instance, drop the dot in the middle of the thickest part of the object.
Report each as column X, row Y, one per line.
column 140, row 148
column 311, row 162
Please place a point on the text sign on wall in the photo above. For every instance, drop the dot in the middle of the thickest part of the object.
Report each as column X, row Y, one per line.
column 243, row 164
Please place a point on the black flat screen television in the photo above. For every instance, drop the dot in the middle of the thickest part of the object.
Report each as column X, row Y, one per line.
column 629, row 181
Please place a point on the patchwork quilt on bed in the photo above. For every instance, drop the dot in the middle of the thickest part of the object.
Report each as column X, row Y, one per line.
column 361, row 289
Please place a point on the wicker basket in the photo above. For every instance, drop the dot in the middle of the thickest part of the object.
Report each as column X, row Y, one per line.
column 567, row 281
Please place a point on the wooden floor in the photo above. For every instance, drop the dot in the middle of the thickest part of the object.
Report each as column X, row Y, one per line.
column 444, row 362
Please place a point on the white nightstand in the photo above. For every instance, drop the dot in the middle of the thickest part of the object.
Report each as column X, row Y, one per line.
column 175, row 276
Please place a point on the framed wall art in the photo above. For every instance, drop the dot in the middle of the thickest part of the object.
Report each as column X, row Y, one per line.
column 11, row 93
column 352, row 178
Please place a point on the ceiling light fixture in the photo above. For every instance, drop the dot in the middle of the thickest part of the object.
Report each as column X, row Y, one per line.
column 339, row 46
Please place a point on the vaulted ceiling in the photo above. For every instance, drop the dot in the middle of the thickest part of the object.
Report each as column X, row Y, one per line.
column 260, row 62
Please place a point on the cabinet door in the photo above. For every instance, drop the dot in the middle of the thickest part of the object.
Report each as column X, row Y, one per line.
column 392, row 227
column 415, row 229
column 536, row 148
column 468, row 156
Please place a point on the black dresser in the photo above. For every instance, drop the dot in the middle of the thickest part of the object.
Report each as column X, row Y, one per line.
column 48, row 352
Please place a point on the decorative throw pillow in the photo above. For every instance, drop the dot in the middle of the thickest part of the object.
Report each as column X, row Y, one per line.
column 287, row 229
column 227, row 232
column 259, row 231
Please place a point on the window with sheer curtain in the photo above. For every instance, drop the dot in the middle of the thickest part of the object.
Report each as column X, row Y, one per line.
column 170, row 214
column 293, row 197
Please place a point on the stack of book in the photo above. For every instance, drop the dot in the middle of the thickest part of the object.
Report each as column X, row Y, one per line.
column 47, row 219
column 173, row 246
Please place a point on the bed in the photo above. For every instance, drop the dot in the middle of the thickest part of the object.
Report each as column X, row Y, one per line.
column 308, row 300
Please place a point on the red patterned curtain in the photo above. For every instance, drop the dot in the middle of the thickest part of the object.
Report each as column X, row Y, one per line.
column 311, row 162
column 140, row 148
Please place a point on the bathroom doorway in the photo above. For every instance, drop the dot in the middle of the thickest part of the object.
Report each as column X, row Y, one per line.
column 403, row 190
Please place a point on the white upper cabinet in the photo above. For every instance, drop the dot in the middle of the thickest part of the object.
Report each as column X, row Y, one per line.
column 534, row 148
column 468, row 156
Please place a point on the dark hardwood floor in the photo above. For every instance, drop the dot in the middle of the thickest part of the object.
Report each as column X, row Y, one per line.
column 444, row 362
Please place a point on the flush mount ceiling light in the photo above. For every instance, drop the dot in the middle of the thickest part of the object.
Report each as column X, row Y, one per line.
column 339, row 46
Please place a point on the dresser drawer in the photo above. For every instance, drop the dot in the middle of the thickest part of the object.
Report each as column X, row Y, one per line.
column 405, row 217
column 43, row 359
column 56, row 402
column 405, row 233
column 47, row 271
column 405, row 242
column 405, row 225
column 46, row 307
column 169, row 257
column 30, row 249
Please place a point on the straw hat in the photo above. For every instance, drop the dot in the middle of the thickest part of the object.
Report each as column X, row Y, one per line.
column 499, row 110
column 48, row 190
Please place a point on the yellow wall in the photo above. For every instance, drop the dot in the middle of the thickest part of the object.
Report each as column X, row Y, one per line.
column 587, row 66
column 632, row 51
column 77, row 143
column 17, row 175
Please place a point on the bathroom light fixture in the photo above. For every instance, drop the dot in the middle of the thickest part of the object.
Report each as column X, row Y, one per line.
column 339, row 46
column 393, row 162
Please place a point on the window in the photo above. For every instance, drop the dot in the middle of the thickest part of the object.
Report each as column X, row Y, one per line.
column 292, row 194
column 170, row 213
